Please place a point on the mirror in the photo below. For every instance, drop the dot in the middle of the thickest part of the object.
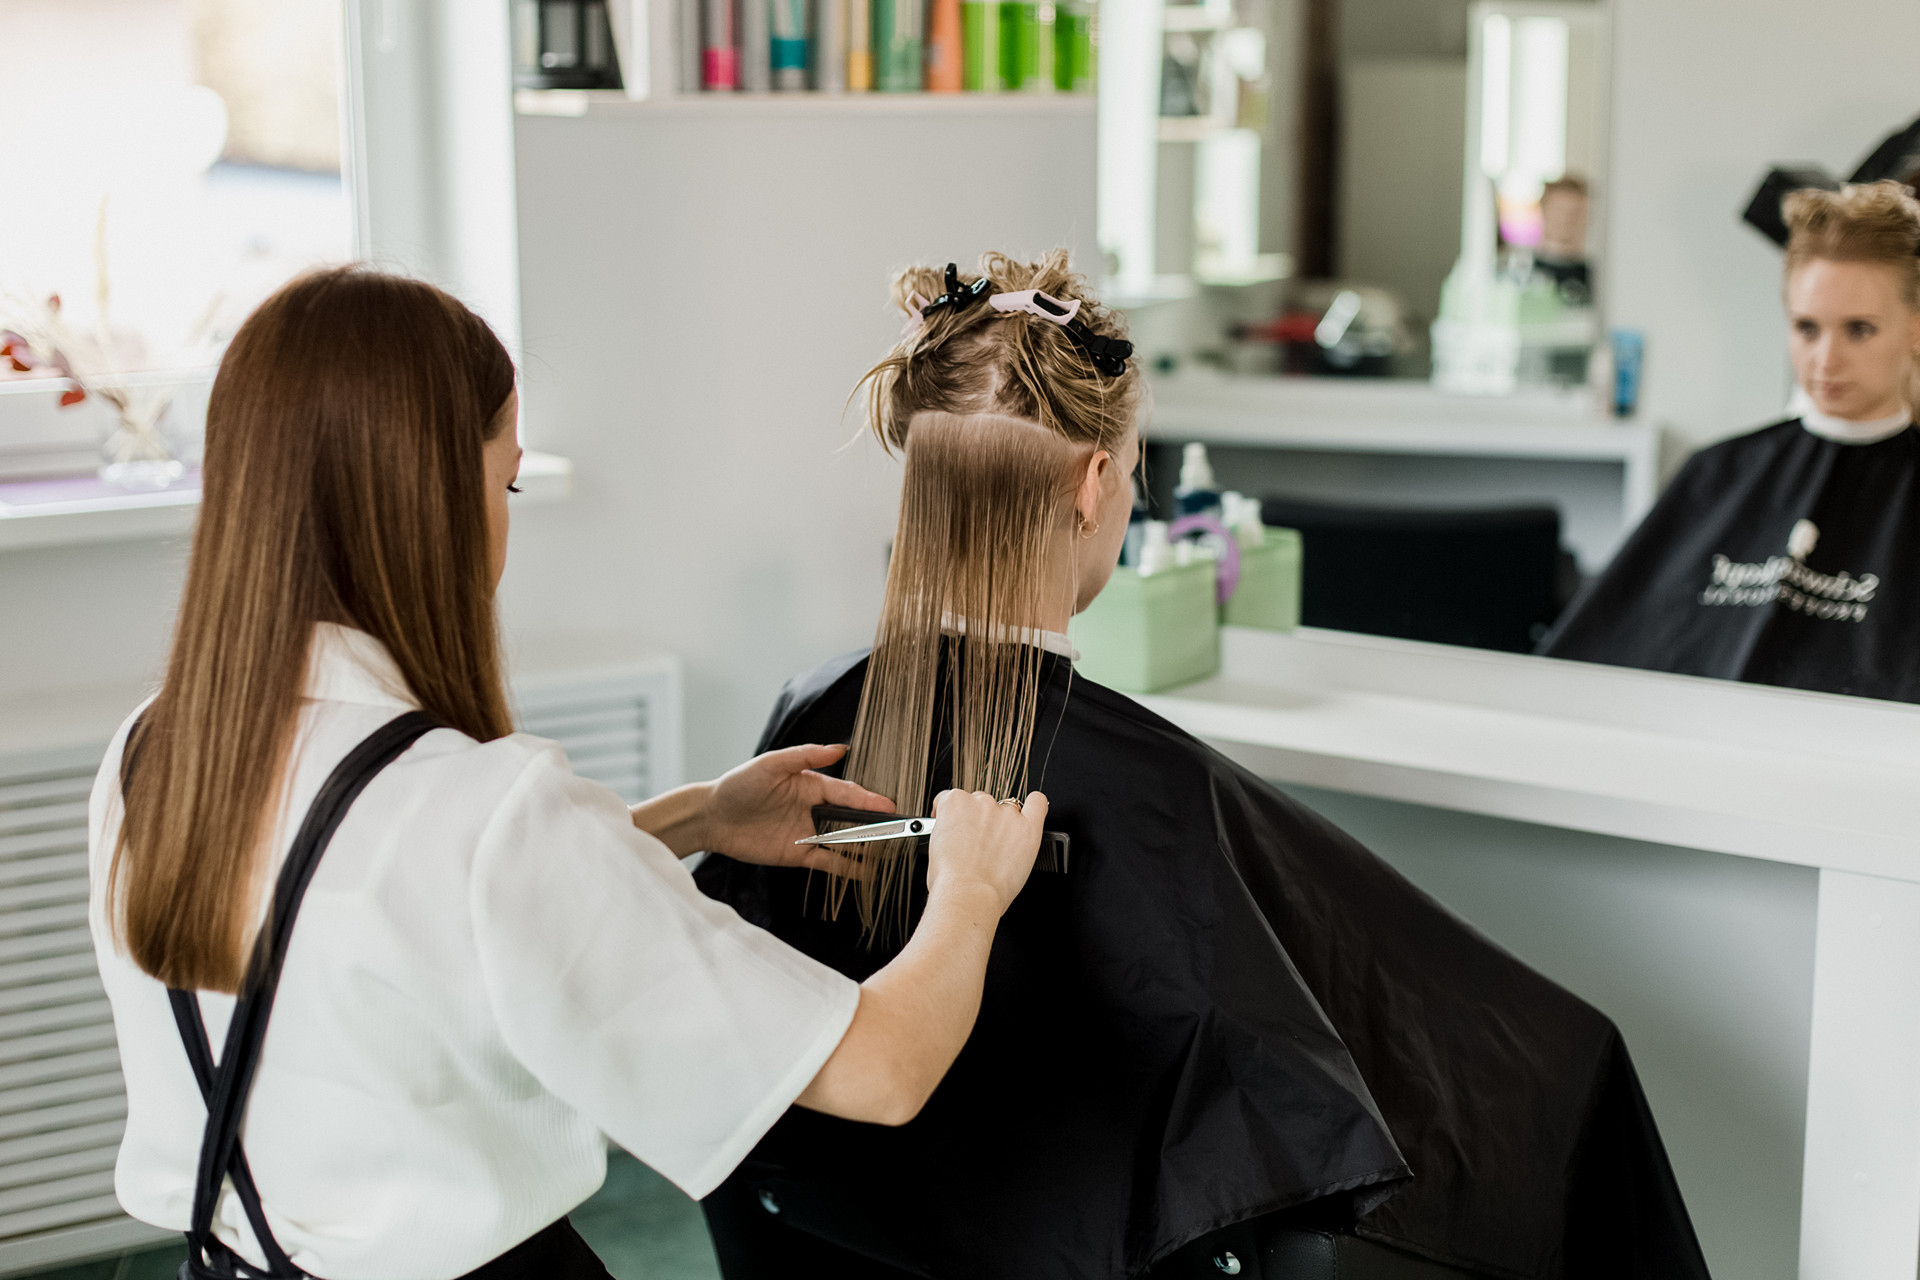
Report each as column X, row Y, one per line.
column 1404, row 189
column 1409, row 357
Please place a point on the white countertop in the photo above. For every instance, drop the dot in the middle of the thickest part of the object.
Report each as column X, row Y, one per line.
column 1780, row 774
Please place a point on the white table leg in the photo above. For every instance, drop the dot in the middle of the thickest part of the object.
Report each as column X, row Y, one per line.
column 1860, row 1189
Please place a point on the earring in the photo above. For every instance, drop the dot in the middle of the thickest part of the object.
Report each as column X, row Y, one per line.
column 1087, row 530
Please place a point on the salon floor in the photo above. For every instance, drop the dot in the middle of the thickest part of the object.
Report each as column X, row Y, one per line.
column 638, row 1223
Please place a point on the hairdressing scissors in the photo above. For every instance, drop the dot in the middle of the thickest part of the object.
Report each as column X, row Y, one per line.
column 1053, row 844
column 895, row 829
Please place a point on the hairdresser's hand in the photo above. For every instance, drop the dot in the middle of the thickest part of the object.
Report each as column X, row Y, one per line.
column 758, row 810
column 985, row 842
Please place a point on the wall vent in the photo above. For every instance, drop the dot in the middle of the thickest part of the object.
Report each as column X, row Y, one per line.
column 62, row 1106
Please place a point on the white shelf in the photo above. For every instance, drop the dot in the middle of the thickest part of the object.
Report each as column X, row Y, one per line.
column 603, row 103
column 1404, row 417
column 56, row 512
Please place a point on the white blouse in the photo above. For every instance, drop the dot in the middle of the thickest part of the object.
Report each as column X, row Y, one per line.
column 492, row 974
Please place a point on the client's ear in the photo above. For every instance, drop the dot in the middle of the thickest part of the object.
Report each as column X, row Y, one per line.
column 1093, row 482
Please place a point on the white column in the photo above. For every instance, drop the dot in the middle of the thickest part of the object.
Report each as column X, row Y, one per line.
column 1129, row 139
column 428, row 133
column 1860, row 1191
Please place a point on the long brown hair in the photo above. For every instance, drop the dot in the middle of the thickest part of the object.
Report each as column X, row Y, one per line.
column 342, row 483
column 995, row 412
column 1877, row 222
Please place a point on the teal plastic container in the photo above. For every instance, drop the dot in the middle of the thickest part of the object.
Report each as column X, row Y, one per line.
column 1268, row 596
column 1141, row 635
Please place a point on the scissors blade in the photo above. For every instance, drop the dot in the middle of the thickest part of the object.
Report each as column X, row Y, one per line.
column 893, row 829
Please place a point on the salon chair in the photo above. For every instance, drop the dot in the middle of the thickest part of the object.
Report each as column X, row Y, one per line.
column 768, row 1225
column 1484, row 578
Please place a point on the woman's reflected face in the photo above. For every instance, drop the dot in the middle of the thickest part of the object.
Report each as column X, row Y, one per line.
column 1853, row 337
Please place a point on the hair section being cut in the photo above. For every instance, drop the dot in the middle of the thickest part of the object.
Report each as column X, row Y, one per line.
column 997, row 412
column 987, row 500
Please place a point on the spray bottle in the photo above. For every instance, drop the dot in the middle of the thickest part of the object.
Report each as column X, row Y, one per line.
column 1196, row 494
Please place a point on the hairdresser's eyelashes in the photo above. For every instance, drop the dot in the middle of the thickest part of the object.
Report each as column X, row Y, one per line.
column 513, row 488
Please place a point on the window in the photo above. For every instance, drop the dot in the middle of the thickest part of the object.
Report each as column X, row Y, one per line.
column 168, row 164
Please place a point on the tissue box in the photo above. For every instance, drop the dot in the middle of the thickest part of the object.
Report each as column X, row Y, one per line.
column 1268, row 596
column 1145, row 634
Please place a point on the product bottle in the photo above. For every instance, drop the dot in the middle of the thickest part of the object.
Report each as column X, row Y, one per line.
column 1026, row 45
column 860, row 45
column 719, row 52
column 1073, row 46
column 1196, row 494
column 830, row 46
column 788, row 45
column 1241, row 515
column 1156, row 551
column 756, row 42
column 897, row 46
column 980, row 37
column 945, row 54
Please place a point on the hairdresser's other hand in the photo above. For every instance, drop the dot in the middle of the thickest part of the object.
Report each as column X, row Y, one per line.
column 759, row 809
column 980, row 840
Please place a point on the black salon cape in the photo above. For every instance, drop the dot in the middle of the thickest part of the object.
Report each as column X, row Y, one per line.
column 1708, row 585
column 1193, row 1026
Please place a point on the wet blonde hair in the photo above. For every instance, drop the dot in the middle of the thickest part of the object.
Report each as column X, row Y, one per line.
column 1877, row 222
column 996, row 414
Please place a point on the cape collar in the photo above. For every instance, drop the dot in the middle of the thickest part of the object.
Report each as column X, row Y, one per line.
column 345, row 665
column 1848, row 432
column 1051, row 641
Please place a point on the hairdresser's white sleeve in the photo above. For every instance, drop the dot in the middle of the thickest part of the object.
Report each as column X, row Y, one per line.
column 677, row 1027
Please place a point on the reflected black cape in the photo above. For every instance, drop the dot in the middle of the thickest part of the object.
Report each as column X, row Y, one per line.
column 1193, row 1026
column 1708, row 585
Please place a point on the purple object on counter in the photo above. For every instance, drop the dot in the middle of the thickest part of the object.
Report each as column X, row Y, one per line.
column 1229, row 567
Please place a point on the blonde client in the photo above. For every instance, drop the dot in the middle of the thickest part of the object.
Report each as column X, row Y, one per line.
column 1786, row 556
column 1225, row 1037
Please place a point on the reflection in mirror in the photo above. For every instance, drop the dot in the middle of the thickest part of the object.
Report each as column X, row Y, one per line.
column 1517, row 307
column 1358, row 188
column 1787, row 555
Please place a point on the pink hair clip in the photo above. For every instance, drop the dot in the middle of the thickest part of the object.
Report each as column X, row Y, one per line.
column 1035, row 303
column 916, row 315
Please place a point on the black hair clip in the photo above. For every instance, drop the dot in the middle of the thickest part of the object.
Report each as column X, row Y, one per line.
column 955, row 296
column 1108, row 355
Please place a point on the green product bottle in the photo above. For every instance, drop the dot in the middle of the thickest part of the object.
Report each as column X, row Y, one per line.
column 980, row 46
column 1019, row 45
column 1073, row 46
column 897, row 37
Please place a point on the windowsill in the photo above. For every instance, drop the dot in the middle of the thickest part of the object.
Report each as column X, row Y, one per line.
column 69, row 510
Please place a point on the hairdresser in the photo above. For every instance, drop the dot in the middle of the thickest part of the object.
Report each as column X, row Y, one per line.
column 1791, row 555
column 498, row 967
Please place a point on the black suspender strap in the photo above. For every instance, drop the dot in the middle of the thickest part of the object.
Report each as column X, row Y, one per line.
column 225, row 1087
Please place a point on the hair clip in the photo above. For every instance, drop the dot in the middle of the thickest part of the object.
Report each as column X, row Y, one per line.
column 1035, row 303
column 1108, row 355
column 957, row 297
column 916, row 320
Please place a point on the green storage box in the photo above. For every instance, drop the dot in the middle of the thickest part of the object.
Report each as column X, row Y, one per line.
column 1268, row 596
column 1145, row 634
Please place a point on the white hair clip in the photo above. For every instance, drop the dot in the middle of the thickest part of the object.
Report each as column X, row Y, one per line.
column 1035, row 303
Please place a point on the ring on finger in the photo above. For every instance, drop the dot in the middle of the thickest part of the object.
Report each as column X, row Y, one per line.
column 1014, row 803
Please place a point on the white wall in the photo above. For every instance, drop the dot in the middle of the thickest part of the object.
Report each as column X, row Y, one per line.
column 700, row 291
column 1708, row 93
